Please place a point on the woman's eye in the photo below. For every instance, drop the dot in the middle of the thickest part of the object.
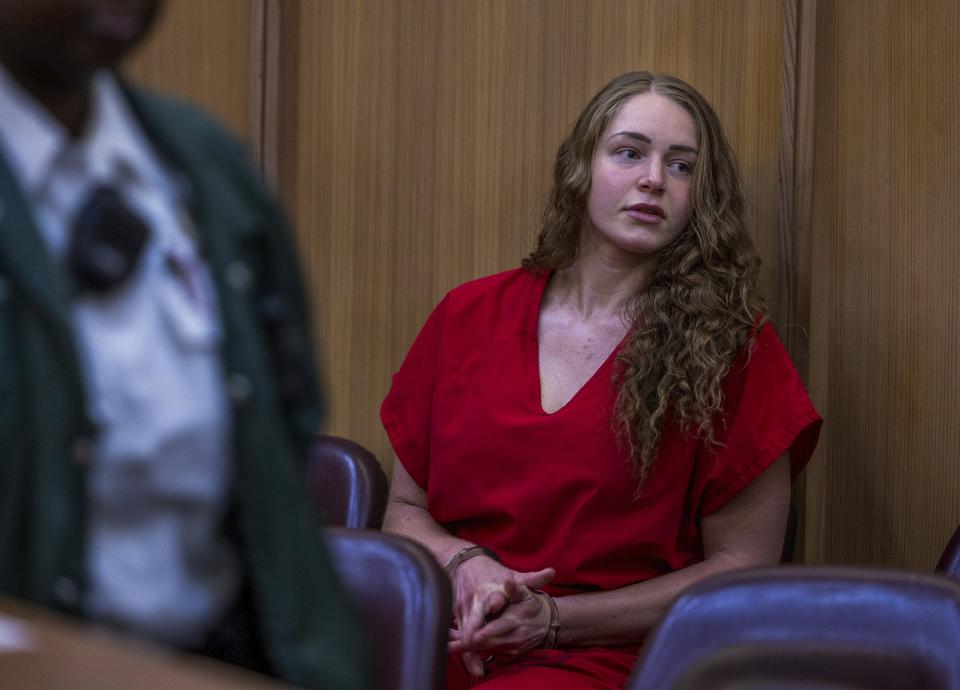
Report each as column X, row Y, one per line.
column 629, row 153
column 682, row 167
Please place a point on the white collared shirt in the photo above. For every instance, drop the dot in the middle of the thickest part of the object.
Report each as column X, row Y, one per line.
column 158, row 482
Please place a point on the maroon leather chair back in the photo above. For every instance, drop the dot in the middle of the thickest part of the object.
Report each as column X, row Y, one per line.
column 802, row 616
column 403, row 597
column 347, row 484
column 950, row 560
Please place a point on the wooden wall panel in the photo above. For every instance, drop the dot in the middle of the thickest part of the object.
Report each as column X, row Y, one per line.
column 885, row 326
column 417, row 139
column 413, row 141
column 201, row 50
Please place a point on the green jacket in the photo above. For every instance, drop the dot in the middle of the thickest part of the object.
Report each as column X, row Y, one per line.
column 310, row 633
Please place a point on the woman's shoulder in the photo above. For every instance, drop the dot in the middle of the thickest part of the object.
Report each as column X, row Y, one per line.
column 501, row 293
column 511, row 281
column 487, row 310
column 766, row 361
column 767, row 341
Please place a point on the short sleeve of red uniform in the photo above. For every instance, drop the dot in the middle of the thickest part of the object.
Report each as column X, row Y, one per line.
column 407, row 410
column 767, row 412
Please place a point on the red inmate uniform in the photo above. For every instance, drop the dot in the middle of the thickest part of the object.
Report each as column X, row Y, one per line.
column 554, row 490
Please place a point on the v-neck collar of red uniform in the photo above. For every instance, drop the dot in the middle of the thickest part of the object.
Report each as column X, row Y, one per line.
column 533, row 354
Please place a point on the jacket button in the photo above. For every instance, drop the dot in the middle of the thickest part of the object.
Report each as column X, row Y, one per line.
column 239, row 388
column 66, row 591
column 82, row 450
column 239, row 276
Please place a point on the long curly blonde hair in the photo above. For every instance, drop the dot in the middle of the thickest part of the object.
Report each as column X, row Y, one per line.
column 699, row 307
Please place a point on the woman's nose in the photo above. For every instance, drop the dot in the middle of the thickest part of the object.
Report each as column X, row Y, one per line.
column 651, row 175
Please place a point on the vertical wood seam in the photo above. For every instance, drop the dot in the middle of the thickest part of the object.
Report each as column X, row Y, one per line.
column 797, row 108
column 271, row 92
column 795, row 162
column 265, row 86
column 786, row 227
column 257, row 68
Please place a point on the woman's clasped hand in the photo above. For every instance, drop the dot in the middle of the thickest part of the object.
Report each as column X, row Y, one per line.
column 497, row 612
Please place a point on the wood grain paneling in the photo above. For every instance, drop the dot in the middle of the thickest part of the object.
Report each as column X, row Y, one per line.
column 417, row 147
column 885, row 326
column 413, row 141
column 201, row 50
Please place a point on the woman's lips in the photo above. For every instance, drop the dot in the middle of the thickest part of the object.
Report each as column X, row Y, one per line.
column 646, row 213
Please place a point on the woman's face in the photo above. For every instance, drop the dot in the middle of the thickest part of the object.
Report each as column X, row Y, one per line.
column 639, row 198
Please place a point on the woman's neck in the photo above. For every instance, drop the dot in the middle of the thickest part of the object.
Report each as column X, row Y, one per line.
column 597, row 286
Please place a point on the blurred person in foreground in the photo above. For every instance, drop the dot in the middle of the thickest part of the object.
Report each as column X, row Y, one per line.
column 157, row 389
column 612, row 421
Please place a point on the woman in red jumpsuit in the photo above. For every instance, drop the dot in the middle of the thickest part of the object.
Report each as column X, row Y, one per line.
column 581, row 438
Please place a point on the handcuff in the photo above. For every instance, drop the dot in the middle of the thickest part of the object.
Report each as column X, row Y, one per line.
column 466, row 554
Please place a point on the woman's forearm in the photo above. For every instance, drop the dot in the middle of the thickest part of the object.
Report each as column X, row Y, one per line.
column 407, row 515
column 624, row 616
column 414, row 522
